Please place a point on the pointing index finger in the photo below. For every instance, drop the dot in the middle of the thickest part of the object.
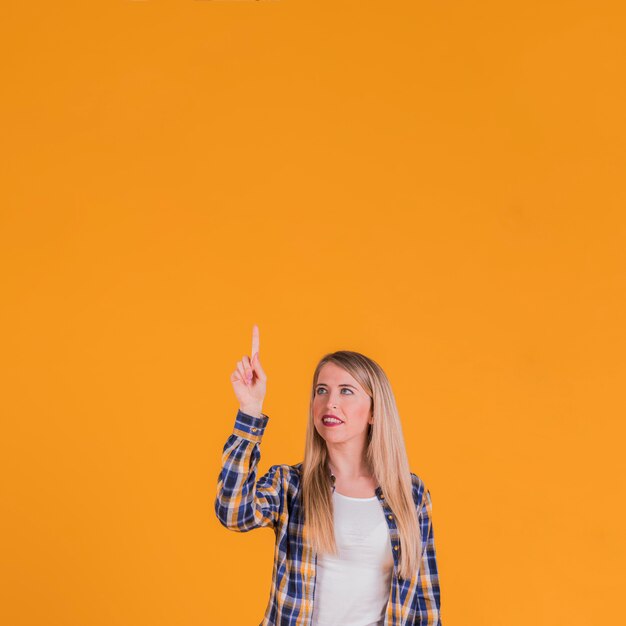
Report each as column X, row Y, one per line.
column 255, row 340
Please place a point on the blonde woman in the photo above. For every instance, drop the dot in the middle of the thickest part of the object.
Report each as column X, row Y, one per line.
column 353, row 524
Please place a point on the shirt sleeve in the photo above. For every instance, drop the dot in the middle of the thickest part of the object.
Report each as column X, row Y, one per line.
column 428, row 593
column 242, row 503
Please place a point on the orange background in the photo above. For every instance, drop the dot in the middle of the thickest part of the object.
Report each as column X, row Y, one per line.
column 436, row 184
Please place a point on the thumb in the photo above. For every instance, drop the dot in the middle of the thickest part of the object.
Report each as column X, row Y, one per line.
column 256, row 365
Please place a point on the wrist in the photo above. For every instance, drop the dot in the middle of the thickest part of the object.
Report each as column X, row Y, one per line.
column 254, row 411
column 250, row 423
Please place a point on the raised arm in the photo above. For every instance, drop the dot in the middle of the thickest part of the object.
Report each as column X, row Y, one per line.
column 243, row 503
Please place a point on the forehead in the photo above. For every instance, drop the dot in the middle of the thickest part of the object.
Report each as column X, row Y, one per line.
column 332, row 374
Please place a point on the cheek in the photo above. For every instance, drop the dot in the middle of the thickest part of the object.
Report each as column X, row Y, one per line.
column 318, row 405
column 364, row 410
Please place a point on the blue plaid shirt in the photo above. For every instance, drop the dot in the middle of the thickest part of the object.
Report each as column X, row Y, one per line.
column 243, row 503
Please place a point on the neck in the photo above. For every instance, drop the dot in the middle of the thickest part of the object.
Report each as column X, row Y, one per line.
column 347, row 460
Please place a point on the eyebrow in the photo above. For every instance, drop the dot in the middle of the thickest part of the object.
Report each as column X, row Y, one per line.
column 342, row 385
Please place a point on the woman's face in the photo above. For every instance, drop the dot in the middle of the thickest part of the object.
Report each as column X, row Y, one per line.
column 338, row 393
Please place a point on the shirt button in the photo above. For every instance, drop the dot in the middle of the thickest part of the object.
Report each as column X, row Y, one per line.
column 390, row 516
column 395, row 547
column 254, row 430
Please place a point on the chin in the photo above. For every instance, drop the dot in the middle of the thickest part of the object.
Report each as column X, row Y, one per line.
column 325, row 436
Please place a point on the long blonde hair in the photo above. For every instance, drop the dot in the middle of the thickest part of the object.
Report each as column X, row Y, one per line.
column 385, row 455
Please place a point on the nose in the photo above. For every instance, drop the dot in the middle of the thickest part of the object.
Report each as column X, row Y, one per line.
column 331, row 404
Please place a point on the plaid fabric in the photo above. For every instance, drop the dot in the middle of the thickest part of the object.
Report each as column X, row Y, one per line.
column 243, row 503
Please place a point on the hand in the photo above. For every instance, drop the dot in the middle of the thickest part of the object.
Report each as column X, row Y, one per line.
column 249, row 380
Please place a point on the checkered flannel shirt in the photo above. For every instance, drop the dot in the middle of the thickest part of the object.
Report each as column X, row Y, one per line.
column 244, row 503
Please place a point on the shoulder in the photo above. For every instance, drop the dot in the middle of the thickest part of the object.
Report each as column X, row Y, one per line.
column 420, row 491
column 294, row 474
column 291, row 472
column 288, row 475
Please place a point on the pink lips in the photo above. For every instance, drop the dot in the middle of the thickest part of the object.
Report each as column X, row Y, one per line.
column 331, row 424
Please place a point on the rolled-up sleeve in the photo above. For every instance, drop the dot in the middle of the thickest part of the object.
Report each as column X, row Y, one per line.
column 242, row 503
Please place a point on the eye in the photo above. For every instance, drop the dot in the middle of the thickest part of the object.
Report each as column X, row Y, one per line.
column 323, row 390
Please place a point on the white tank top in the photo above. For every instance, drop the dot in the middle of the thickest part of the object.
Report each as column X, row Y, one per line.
column 352, row 588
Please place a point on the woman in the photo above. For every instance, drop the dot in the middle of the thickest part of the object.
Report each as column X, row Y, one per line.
column 353, row 525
